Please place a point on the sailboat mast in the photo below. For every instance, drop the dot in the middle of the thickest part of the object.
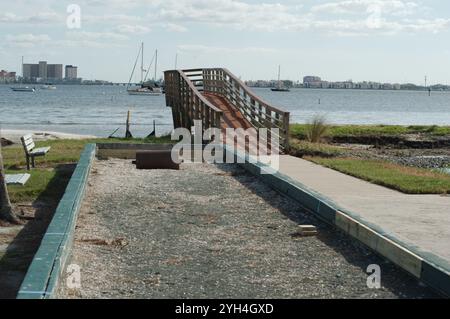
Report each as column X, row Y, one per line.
column 21, row 79
column 156, row 64
column 279, row 83
column 142, row 63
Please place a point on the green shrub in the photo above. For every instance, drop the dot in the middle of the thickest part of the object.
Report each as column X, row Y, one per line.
column 317, row 129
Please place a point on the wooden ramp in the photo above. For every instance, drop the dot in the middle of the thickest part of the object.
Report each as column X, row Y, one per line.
column 221, row 100
column 231, row 117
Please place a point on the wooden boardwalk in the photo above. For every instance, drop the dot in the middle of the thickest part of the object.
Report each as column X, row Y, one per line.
column 221, row 100
column 232, row 117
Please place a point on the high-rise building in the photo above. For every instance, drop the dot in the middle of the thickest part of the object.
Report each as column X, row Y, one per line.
column 55, row 71
column 71, row 72
column 43, row 71
column 30, row 71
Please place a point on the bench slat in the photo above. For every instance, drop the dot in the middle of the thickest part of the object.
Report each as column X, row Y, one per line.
column 40, row 151
column 27, row 137
column 28, row 143
column 17, row 179
column 30, row 146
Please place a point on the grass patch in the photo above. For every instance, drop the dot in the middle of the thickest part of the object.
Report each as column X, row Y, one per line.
column 405, row 179
column 45, row 184
column 303, row 148
column 300, row 130
column 53, row 171
column 64, row 151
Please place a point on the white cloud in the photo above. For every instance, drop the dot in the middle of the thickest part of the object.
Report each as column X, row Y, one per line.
column 356, row 17
column 343, row 17
column 394, row 7
column 95, row 36
column 215, row 49
column 27, row 40
column 38, row 18
column 236, row 14
column 175, row 27
column 111, row 18
column 132, row 29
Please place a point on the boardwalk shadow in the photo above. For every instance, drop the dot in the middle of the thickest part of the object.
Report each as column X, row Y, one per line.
column 394, row 278
column 37, row 216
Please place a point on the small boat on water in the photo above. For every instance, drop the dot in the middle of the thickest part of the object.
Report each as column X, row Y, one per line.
column 280, row 87
column 48, row 86
column 144, row 91
column 280, row 90
column 145, row 88
column 23, row 88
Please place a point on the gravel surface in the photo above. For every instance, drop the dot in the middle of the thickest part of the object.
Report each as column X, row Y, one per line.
column 421, row 158
column 424, row 161
column 213, row 231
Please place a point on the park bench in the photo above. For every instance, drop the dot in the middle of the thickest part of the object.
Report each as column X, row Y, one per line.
column 31, row 151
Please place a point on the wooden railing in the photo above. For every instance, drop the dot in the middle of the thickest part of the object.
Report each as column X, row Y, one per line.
column 187, row 102
column 184, row 90
column 258, row 112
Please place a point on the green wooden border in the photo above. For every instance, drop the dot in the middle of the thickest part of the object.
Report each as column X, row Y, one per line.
column 44, row 273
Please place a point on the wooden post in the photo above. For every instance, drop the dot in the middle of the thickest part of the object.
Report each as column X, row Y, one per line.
column 287, row 129
column 127, row 130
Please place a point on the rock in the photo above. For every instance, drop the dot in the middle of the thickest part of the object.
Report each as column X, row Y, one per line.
column 5, row 142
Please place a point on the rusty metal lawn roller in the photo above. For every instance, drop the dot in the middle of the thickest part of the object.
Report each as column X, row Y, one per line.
column 156, row 159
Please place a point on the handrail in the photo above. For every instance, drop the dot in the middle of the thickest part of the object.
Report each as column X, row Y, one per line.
column 187, row 102
column 258, row 112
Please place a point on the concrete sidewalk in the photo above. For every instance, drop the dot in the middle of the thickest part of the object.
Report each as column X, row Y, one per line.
column 421, row 221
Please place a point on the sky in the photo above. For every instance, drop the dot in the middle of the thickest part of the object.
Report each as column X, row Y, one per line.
column 376, row 40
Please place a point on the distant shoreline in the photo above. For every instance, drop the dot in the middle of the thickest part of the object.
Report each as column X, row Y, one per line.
column 355, row 89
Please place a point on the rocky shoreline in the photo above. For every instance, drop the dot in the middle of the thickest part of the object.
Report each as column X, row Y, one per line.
column 428, row 152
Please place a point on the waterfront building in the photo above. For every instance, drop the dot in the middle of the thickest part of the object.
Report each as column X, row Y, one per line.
column 42, row 71
column 55, row 72
column 71, row 72
column 7, row 77
column 311, row 79
column 30, row 71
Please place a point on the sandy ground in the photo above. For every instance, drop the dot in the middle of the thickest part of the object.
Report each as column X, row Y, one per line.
column 15, row 135
column 210, row 231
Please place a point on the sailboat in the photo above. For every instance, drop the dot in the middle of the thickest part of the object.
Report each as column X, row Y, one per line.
column 23, row 88
column 144, row 88
column 279, row 87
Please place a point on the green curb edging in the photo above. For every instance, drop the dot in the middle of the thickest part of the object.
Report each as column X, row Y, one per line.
column 425, row 266
column 43, row 275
